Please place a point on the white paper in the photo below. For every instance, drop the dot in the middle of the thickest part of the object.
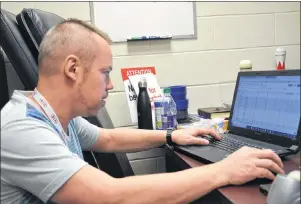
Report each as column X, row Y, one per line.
column 153, row 88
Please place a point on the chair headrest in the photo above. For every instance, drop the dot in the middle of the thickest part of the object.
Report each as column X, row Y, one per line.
column 17, row 50
column 34, row 24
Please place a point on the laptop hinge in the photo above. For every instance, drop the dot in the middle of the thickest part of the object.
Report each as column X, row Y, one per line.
column 294, row 148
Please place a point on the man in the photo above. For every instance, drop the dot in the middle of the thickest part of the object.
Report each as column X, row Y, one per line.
column 43, row 134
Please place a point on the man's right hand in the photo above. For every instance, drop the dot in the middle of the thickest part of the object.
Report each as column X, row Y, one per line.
column 247, row 164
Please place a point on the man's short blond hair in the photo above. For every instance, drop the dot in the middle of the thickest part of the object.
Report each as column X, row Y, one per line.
column 90, row 27
column 72, row 36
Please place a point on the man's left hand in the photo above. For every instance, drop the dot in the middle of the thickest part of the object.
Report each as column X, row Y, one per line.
column 189, row 136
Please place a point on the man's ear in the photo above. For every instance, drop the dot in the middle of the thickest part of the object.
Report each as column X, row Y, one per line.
column 72, row 66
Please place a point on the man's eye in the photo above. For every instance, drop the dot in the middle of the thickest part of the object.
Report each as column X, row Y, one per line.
column 106, row 72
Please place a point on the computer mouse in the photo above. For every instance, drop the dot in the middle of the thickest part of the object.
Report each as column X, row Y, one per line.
column 285, row 189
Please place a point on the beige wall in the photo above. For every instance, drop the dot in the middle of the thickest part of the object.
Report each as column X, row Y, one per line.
column 227, row 33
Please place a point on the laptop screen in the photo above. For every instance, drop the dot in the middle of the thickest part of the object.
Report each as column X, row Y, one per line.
column 269, row 104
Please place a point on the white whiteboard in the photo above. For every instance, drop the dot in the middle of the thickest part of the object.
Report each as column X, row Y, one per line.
column 122, row 20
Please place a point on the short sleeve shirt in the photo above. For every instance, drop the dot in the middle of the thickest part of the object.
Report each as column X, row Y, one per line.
column 35, row 161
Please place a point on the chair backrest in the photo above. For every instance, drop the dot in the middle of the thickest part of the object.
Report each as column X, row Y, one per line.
column 17, row 51
column 34, row 23
column 3, row 81
column 22, row 35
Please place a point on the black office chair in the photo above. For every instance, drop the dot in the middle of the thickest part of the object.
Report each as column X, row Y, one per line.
column 20, row 38
column 3, row 82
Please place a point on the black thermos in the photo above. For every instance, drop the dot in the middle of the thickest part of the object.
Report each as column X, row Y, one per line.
column 144, row 109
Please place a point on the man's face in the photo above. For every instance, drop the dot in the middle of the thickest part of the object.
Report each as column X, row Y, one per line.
column 96, row 80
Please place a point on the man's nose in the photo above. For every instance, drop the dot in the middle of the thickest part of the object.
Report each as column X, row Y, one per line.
column 109, row 85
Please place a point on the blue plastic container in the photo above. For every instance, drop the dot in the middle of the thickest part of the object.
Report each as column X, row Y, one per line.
column 178, row 89
column 178, row 92
column 182, row 109
column 178, row 95
column 182, row 104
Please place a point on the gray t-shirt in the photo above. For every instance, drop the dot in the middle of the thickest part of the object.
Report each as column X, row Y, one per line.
column 35, row 161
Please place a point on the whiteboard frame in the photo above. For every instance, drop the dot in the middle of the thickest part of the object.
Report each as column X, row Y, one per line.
column 91, row 5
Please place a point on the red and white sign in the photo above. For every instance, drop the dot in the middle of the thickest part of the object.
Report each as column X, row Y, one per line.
column 131, row 77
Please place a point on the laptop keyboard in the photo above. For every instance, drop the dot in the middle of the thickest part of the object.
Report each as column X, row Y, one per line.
column 231, row 145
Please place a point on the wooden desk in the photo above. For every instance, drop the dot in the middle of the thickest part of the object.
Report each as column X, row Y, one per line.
column 242, row 194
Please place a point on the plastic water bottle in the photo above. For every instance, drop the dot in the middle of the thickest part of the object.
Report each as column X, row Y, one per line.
column 169, row 117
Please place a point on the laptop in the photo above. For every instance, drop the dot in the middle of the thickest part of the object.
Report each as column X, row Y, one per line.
column 265, row 114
